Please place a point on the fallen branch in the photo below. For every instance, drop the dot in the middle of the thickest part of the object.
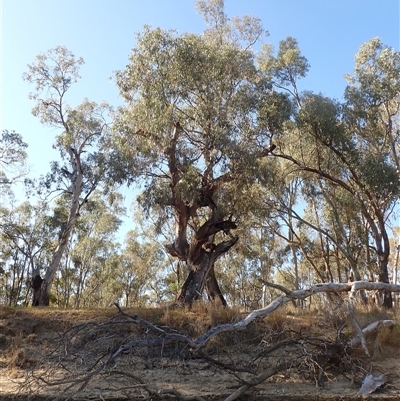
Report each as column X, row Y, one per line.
column 353, row 287
column 254, row 381
column 277, row 287
column 85, row 342
column 372, row 327
column 372, row 383
column 360, row 333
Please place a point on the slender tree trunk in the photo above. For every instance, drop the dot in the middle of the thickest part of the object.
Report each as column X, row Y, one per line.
column 78, row 291
column 45, row 288
column 387, row 300
column 383, row 251
column 396, row 265
column 355, row 276
column 43, row 298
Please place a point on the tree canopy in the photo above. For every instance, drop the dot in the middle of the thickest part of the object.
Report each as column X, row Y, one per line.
column 240, row 176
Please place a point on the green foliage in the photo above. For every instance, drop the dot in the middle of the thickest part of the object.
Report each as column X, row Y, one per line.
column 52, row 73
column 286, row 67
column 13, row 157
column 380, row 176
column 377, row 73
column 92, row 257
column 290, row 64
column 201, row 114
column 212, row 90
column 26, row 243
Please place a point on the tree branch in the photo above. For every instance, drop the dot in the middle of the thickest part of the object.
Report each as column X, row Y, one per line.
column 289, row 296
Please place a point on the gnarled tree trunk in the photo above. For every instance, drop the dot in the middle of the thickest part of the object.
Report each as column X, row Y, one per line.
column 213, row 290
column 202, row 276
column 202, row 252
column 200, row 258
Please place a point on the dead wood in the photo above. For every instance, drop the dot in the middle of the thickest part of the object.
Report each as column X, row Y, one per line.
column 372, row 383
column 351, row 287
column 111, row 350
column 371, row 328
column 258, row 379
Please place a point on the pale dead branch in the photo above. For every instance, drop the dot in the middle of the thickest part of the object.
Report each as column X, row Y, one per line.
column 371, row 328
column 105, row 350
column 372, row 383
column 351, row 287
column 359, row 331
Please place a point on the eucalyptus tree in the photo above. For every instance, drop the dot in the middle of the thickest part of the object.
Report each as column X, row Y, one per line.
column 190, row 131
column 100, row 288
column 331, row 235
column 25, row 245
column 255, row 257
column 92, row 241
column 13, row 158
column 353, row 145
column 140, row 263
column 81, row 141
column 372, row 114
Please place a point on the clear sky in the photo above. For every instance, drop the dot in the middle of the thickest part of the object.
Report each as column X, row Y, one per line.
column 329, row 33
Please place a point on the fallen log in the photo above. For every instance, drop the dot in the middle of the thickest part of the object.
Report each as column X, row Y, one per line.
column 351, row 288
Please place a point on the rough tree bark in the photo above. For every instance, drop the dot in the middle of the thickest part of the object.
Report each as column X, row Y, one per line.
column 200, row 257
column 201, row 253
column 201, row 273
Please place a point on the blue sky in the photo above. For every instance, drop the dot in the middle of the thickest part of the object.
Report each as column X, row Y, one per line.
column 329, row 33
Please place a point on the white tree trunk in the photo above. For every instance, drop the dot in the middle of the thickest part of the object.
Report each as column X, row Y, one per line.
column 77, row 185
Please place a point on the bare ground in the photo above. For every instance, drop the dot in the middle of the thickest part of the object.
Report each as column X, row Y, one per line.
column 39, row 347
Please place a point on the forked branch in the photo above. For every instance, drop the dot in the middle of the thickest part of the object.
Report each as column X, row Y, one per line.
column 351, row 287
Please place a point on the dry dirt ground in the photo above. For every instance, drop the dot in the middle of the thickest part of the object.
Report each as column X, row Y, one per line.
column 39, row 347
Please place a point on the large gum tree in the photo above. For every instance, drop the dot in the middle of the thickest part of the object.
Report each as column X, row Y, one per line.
column 190, row 129
column 81, row 141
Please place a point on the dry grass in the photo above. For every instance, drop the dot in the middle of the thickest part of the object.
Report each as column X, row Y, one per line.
column 24, row 332
column 366, row 314
column 22, row 327
column 18, row 357
column 390, row 336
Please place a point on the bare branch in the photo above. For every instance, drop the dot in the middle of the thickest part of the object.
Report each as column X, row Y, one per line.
column 371, row 328
column 276, row 286
column 258, row 379
column 298, row 294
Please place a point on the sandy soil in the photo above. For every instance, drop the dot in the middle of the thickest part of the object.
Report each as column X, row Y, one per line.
column 30, row 345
